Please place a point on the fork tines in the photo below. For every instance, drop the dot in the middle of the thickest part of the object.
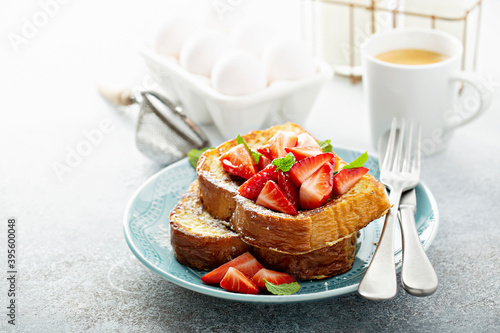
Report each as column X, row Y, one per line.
column 403, row 132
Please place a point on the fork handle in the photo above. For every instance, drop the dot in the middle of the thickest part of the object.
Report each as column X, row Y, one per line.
column 417, row 274
column 379, row 282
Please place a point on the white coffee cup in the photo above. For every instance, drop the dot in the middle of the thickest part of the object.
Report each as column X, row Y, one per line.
column 425, row 93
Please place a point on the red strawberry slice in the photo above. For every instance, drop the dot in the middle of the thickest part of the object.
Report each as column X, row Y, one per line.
column 236, row 281
column 291, row 192
column 306, row 140
column 245, row 263
column 274, row 277
column 263, row 162
column 316, row 189
column 273, row 198
column 303, row 152
column 304, row 168
column 280, row 141
column 265, row 151
column 238, row 161
column 347, row 178
column 253, row 186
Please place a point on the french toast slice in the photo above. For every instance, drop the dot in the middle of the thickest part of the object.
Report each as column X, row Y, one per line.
column 325, row 262
column 204, row 242
column 199, row 240
column 310, row 230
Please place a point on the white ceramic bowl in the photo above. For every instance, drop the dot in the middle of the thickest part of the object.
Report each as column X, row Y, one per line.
column 281, row 101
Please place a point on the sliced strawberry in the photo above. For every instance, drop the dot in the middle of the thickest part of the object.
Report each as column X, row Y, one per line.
column 236, row 281
column 303, row 152
column 245, row 263
column 316, row 189
column 271, row 276
column 265, row 151
column 273, row 198
column 238, row 161
column 280, row 141
column 347, row 178
column 304, row 168
column 306, row 140
column 264, row 161
column 252, row 187
column 285, row 184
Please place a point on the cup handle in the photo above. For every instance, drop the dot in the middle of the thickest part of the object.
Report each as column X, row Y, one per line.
column 485, row 94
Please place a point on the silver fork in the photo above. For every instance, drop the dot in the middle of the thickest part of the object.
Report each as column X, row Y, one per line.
column 399, row 172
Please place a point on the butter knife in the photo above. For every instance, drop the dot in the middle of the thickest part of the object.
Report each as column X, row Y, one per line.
column 417, row 274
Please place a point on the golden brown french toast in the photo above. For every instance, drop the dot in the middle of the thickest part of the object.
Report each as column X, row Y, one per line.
column 204, row 242
column 339, row 217
column 199, row 240
column 327, row 261
column 310, row 229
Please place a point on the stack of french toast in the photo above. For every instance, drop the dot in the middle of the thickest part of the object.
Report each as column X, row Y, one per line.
column 309, row 234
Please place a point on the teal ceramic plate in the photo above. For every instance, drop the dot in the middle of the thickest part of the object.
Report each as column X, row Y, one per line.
column 146, row 228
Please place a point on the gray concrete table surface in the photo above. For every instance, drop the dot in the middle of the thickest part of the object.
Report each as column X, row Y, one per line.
column 76, row 272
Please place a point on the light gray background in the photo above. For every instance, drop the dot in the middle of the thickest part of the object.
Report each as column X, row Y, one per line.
column 76, row 271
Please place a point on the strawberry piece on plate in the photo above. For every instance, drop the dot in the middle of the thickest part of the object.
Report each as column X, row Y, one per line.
column 279, row 142
column 239, row 162
column 245, row 263
column 286, row 184
column 306, row 140
column 274, row 277
column 273, row 198
column 306, row 167
column 236, row 281
column 265, row 151
column 347, row 178
column 316, row 189
column 303, row 152
column 264, row 161
column 253, row 186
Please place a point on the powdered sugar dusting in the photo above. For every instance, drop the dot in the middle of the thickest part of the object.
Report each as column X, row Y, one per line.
column 162, row 237
column 193, row 217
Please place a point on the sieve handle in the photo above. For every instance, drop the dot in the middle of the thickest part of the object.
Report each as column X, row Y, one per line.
column 122, row 97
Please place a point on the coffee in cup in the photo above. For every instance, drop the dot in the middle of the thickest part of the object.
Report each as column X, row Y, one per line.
column 411, row 57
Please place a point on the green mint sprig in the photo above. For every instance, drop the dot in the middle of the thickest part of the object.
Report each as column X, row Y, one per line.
column 194, row 155
column 255, row 155
column 284, row 163
column 325, row 146
column 282, row 289
column 357, row 163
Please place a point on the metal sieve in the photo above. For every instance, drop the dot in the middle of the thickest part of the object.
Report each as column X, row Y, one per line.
column 163, row 132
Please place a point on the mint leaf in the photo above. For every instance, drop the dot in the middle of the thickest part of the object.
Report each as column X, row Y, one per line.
column 358, row 162
column 326, row 146
column 194, row 155
column 255, row 155
column 284, row 163
column 282, row 289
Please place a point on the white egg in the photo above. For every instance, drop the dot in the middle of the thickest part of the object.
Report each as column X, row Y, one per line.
column 201, row 50
column 239, row 72
column 171, row 36
column 252, row 37
column 288, row 60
